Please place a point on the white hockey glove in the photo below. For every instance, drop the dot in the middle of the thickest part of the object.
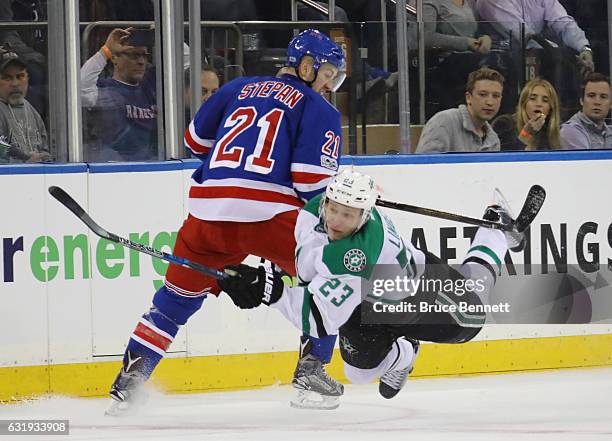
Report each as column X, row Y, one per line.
column 249, row 287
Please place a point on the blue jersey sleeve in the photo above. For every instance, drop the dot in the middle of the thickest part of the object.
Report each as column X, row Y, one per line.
column 317, row 152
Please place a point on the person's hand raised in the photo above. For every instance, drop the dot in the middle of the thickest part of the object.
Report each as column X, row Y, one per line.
column 117, row 40
column 531, row 128
column 535, row 124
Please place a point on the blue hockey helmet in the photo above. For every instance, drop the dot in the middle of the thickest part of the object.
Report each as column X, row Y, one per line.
column 322, row 49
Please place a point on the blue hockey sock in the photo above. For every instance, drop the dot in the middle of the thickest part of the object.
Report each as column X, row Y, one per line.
column 157, row 328
column 323, row 347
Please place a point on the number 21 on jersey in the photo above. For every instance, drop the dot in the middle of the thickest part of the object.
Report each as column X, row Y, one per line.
column 228, row 154
column 332, row 145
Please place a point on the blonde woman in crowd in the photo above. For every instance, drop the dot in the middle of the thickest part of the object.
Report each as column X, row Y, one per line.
column 535, row 125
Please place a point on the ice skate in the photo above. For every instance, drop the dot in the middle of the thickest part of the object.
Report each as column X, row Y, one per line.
column 127, row 392
column 500, row 212
column 316, row 389
column 396, row 376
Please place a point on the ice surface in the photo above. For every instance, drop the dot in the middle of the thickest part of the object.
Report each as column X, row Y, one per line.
column 572, row 405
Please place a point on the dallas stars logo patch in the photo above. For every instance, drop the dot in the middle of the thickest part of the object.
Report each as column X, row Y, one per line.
column 355, row 260
column 348, row 347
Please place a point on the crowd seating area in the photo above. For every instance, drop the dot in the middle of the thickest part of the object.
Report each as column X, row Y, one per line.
column 555, row 65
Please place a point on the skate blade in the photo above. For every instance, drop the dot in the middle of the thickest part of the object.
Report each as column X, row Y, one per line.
column 314, row 401
column 123, row 408
column 117, row 408
column 500, row 199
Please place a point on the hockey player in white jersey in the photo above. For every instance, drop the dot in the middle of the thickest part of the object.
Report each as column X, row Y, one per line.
column 342, row 238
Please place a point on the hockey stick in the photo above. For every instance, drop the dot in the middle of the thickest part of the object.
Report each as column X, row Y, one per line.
column 72, row 205
column 531, row 207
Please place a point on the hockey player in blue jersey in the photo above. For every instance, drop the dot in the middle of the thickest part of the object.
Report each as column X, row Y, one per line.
column 267, row 145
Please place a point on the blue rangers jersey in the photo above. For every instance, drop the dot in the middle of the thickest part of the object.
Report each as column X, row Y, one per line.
column 267, row 145
column 128, row 120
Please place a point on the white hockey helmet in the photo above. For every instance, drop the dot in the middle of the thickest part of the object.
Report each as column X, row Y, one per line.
column 353, row 189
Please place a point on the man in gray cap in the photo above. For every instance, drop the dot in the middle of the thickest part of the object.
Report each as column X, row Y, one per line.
column 23, row 137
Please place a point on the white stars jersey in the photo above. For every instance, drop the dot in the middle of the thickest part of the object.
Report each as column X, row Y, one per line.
column 333, row 275
column 331, row 272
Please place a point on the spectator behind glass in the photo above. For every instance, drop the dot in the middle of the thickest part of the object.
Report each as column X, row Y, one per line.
column 23, row 136
column 124, row 106
column 451, row 32
column 27, row 44
column 587, row 129
column 592, row 16
column 537, row 116
column 209, row 82
column 547, row 18
column 451, row 25
column 467, row 128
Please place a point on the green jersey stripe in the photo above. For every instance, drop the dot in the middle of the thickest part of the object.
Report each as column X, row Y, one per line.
column 306, row 312
column 488, row 251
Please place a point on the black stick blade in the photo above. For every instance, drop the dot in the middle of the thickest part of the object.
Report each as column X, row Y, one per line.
column 531, row 207
column 59, row 194
column 67, row 201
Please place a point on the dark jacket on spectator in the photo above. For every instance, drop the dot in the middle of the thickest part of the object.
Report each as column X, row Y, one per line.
column 508, row 132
